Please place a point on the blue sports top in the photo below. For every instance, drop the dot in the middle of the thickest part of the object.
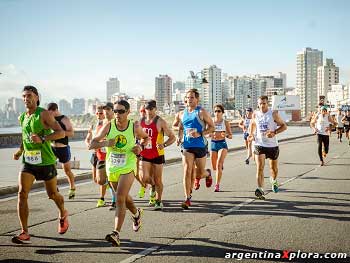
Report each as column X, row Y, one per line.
column 192, row 122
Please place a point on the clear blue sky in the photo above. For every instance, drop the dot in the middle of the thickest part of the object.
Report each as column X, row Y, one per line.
column 70, row 48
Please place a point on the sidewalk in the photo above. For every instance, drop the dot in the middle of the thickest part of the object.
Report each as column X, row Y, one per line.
column 10, row 168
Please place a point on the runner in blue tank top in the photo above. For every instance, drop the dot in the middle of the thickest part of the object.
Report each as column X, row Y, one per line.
column 194, row 123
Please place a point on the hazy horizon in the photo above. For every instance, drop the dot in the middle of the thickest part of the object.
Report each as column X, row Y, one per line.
column 69, row 49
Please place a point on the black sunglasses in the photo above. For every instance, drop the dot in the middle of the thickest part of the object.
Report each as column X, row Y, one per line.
column 119, row 111
column 218, row 111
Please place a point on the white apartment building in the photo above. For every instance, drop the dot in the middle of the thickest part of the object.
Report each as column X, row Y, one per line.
column 212, row 91
column 337, row 96
column 327, row 75
column 113, row 86
column 163, row 91
column 308, row 61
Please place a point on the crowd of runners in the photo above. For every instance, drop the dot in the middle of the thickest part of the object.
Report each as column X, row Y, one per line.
column 125, row 150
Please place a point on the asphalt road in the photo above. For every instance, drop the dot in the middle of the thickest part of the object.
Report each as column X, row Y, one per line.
column 310, row 214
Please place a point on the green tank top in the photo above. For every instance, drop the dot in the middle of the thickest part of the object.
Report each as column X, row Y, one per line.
column 39, row 154
column 120, row 159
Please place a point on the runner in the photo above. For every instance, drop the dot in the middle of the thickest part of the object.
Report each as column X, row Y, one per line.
column 141, row 192
column 218, row 143
column 120, row 134
column 152, row 157
column 195, row 122
column 321, row 126
column 244, row 125
column 266, row 124
column 61, row 147
column 346, row 121
column 39, row 128
column 99, row 155
column 340, row 125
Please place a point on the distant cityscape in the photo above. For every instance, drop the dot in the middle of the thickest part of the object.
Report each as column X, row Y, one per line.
column 317, row 79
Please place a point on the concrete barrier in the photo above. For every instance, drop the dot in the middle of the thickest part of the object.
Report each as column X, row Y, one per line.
column 15, row 139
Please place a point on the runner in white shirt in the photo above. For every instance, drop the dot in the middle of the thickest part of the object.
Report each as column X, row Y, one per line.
column 320, row 123
column 266, row 124
column 340, row 125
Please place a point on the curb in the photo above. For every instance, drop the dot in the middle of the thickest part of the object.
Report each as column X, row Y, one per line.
column 8, row 190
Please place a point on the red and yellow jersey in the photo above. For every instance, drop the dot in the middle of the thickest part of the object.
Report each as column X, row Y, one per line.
column 151, row 151
column 100, row 152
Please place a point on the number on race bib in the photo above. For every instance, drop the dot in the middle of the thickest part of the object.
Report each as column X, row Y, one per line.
column 118, row 160
column 33, row 157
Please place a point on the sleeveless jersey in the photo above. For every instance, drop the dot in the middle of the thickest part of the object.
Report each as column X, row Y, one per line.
column 39, row 154
column 65, row 139
column 246, row 123
column 322, row 123
column 150, row 151
column 220, row 127
column 265, row 122
column 100, row 152
column 347, row 121
column 120, row 159
column 192, row 122
column 339, row 123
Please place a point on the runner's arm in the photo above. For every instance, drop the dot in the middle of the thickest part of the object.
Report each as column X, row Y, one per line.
column 49, row 122
column 169, row 133
column 280, row 122
column 69, row 127
column 252, row 128
column 89, row 135
column 228, row 130
column 177, row 122
column 209, row 123
column 19, row 152
column 96, row 142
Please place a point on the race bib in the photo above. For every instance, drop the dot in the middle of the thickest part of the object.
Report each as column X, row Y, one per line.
column 149, row 144
column 189, row 132
column 33, row 157
column 118, row 159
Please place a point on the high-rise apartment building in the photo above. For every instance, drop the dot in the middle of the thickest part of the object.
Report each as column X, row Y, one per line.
column 163, row 91
column 64, row 107
column 212, row 91
column 327, row 75
column 308, row 61
column 113, row 86
column 78, row 106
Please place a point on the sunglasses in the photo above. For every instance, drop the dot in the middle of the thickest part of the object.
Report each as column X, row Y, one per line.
column 99, row 113
column 218, row 111
column 119, row 111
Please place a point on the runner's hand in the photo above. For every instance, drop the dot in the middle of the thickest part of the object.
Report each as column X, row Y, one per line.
column 17, row 154
column 270, row 134
column 160, row 146
column 136, row 149
column 35, row 138
column 250, row 138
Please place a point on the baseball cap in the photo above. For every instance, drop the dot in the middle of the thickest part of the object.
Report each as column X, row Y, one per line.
column 249, row 109
column 324, row 108
column 151, row 104
column 108, row 105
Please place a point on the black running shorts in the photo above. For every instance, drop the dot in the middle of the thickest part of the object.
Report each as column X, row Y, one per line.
column 41, row 173
column 270, row 152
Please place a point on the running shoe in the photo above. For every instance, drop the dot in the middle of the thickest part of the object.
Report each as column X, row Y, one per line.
column 186, row 204
column 158, row 206
column 197, row 184
column 113, row 238
column 141, row 193
column 137, row 220
column 71, row 193
column 209, row 179
column 22, row 238
column 113, row 206
column 100, row 203
column 152, row 197
column 217, row 188
column 275, row 187
column 247, row 161
column 63, row 223
column 260, row 194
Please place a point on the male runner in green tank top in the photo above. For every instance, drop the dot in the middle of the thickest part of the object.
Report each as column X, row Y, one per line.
column 121, row 134
column 39, row 128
